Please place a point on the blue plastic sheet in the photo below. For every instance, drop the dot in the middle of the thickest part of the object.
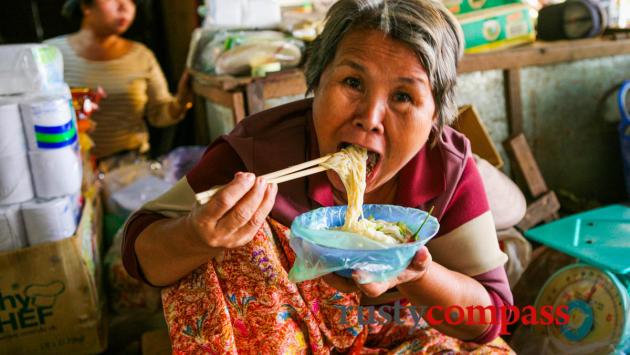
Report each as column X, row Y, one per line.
column 320, row 250
column 623, row 100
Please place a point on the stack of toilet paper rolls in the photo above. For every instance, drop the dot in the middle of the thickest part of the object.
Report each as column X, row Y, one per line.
column 40, row 167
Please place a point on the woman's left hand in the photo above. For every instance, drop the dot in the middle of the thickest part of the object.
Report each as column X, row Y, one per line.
column 415, row 271
column 184, row 89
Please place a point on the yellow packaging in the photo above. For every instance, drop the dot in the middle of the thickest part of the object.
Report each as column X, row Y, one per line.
column 498, row 27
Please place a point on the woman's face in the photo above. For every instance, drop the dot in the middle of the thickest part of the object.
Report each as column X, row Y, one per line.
column 110, row 16
column 376, row 94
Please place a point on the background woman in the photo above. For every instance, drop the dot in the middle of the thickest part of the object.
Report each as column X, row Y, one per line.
column 97, row 55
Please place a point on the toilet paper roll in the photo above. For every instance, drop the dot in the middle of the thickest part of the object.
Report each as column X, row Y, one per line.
column 56, row 172
column 48, row 220
column 11, row 135
column 12, row 232
column 49, row 123
column 15, row 179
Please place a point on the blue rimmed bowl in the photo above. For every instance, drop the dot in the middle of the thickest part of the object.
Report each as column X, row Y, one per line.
column 320, row 249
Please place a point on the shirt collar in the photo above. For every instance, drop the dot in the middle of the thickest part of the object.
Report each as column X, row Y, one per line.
column 420, row 180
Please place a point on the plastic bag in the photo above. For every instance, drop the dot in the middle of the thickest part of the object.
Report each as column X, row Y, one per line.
column 241, row 14
column 237, row 52
column 131, row 184
column 28, row 68
column 180, row 161
column 320, row 251
column 139, row 192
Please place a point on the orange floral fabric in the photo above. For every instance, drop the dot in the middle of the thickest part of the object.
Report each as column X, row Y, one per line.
column 245, row 304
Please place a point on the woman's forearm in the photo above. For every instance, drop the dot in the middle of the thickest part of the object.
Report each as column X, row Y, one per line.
column 443, row 288
column 167, row 251
column 167, row 113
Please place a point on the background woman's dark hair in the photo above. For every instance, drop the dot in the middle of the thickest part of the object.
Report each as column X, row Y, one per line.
column 72, row 9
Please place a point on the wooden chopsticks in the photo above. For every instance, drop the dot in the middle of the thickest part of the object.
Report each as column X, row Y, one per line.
column 290, row 173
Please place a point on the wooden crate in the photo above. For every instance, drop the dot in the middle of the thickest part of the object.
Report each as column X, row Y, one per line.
column 469, row 123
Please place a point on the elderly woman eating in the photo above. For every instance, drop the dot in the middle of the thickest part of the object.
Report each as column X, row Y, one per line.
column 383, row 75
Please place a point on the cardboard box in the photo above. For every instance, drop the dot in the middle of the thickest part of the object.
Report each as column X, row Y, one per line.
column 499, row 27
column 50, row 295
column 469, row 124
column 460, row 7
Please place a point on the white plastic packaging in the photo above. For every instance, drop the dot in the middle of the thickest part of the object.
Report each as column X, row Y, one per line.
column 12, row 232
column 242, row 14
column 15, row 176
column 56, row 172
column 49, row 220
column 28, row 68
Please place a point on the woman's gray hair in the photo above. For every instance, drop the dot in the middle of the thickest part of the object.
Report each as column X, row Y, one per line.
column 426, row 26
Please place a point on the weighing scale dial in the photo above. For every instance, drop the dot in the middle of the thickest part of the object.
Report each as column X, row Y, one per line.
column 598, row 307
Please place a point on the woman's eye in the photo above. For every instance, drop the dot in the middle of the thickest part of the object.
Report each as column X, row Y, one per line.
column 352, row 82
column 402, row 97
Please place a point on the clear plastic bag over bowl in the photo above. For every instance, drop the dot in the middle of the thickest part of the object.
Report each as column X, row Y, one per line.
column 321, row 250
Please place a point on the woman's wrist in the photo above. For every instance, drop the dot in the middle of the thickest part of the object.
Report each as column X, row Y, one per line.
column 184, row 101
column 196, row 242
column 418, row 281
column 178, row 107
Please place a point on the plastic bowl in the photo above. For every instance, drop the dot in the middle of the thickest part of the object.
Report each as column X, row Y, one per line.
column 328, row 250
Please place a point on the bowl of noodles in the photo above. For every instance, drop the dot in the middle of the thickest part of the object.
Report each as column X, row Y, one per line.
column 380, row 240
column 383, row 249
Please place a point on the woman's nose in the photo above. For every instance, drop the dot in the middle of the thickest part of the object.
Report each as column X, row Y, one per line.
column 370, row 115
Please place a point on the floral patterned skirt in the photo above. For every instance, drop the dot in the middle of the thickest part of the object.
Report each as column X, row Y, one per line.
column 246, row 304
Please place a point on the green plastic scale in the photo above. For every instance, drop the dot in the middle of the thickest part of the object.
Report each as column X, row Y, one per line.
column 596, row 289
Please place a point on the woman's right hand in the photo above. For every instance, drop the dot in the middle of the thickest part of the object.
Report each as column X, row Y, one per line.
column 234, row 214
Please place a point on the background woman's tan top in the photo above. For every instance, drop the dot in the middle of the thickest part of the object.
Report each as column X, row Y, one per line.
column 135, row 87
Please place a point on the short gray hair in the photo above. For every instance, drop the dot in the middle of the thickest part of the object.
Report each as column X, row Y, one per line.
column 426, row 26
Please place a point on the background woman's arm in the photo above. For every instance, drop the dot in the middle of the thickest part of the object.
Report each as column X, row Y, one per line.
column 163, row 109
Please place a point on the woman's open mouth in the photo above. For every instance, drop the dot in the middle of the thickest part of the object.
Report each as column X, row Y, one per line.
column 372, row 164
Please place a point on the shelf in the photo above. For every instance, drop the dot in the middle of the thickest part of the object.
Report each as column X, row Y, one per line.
column 543, row 53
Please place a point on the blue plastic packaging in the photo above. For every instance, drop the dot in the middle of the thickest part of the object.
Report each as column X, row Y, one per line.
column 623, row 101
column 320, row 250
